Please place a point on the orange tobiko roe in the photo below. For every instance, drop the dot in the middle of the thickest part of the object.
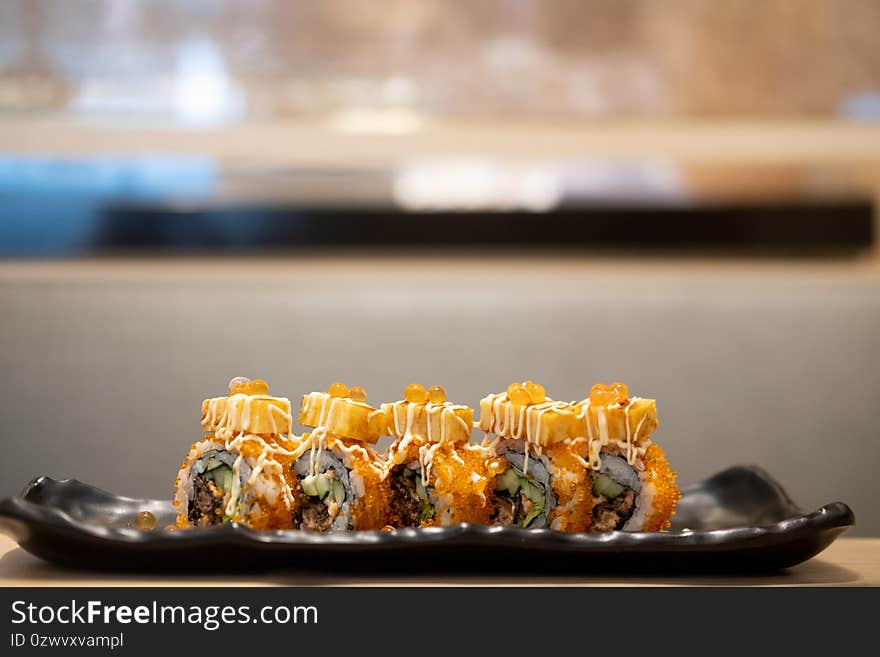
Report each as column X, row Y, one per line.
column 571, row 486
column 666, row 494
column 269, row 516
column 460, row 476
column 370, row 511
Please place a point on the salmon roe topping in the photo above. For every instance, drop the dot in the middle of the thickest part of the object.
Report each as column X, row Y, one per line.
column 357, row 394
column 436, row 395
column 536, row 391
column 338, row 390
column 517, row 393
column 241, row 385
column 415, row 393
column 145, row 521
column 603, row 395
column 238, row 385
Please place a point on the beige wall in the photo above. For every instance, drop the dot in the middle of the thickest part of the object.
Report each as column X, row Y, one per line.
column 104, row 365
column 488, row 57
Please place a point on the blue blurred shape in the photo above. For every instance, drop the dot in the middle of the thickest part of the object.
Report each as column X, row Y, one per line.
column 109, row 177
column 53, row 206
column 861, row 106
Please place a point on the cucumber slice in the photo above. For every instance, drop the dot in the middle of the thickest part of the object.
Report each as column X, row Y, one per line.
column 308, row 486
column 223, row 478
column 338, row 491
column 508, row 481
column 318, row 485
column 213, row 464
column 322, row 485
column 220, row 475
column 535, row 493
column 606, row 487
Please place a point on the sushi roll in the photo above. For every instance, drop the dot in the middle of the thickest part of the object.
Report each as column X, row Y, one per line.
column 632, row 484
column 535, row 450
column 338, row 476
column 436, row 477
column 239, row 471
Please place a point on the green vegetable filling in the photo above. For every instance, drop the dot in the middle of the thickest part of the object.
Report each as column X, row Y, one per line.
column 427, row 511
column 513, row 481
column 219, row 473
column 606, row 486
column 323, row 485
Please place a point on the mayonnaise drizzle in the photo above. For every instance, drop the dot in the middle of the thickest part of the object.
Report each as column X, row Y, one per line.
column 318, row 440
column 630, row 444
column 426, row 460
column 236, row 486
column 230, row 408
column 445, row 410
column 233, row 440
column 329, row 407
column 318, row 435
column 447, row 418
column 211, row 414
column 504, row 420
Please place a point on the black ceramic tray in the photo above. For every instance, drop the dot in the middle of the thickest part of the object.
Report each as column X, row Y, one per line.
column 739, row 520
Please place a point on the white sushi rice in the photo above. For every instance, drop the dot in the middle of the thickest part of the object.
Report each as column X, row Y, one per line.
column 644, row 506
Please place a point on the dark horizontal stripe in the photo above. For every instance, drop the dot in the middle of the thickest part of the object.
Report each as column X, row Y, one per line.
column 68, row 230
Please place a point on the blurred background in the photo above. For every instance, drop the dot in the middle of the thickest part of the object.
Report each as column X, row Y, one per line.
column 680, row 195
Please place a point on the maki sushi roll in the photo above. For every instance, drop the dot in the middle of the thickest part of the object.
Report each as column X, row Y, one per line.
column 239, row 471
column 632, row 484
column 435, row 476
column 338, row 476
column 535, row 451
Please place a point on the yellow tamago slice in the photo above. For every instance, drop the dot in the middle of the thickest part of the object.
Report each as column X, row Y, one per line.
column 342, row 416
column 544, row 423
column 257, row 414
column 435, row 423
column 213, row 411
column 636, row 420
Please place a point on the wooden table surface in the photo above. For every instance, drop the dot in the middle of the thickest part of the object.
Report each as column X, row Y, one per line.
column 847, row 562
